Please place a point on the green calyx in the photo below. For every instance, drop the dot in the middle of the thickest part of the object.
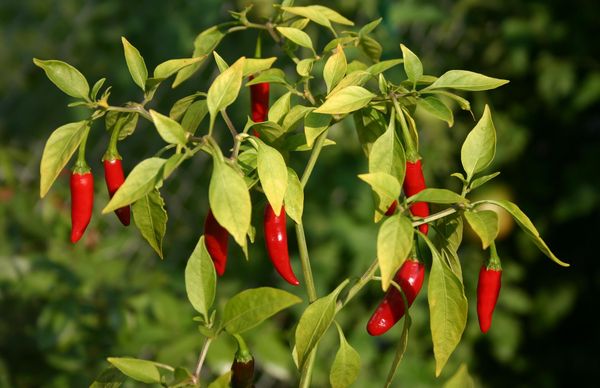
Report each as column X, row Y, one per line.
column 242, row 354
column 111, row 152
column 494, row 261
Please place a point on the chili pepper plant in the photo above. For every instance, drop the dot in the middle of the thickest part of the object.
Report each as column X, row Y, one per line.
column 295, row 99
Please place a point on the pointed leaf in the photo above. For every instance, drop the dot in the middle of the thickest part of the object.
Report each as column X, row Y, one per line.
column 256, row 65
column 485, row 224
column 382, row 66
column 297, row 36
column 346, row 100
column 466, row 80
column 280, row 108
column 200, row 279
column 461, row 379
column 141, row 180
column 170, row 130
column 172, row 66
column 482, row 180
column 150, row 217
column 331, row 15
column 387, row 190
column 314, row 322
column 229, row 200
column 272, row 173
column 412, row 65
column 335, row 68
column 204, row 43
column 436, row 107
column 251, row 307
column 294, row 197
column 135, row 64
column 355, row 78
column 314, row 125
column 387, row 154
column 394, row 244
column 66, row 77
column 225, row 88
column 194, row 116
column 59, row 148
column 433, row 195
column 346, row 364
column 479, row 148
column 139, row 370
column 310, row 13
column 304, row 67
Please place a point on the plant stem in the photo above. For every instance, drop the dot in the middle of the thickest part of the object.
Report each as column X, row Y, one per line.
column 229, row 123
column 305, row 260
column 201, row 359
column 136, row 109
column 436, row 216
column 313, row 157
column 355, row 289
column 308, row 369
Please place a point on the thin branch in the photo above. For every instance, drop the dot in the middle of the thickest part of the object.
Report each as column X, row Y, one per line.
column 201, row 358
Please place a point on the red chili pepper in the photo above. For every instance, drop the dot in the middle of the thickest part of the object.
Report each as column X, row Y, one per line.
column 414, row 182
column 277, row 246
column 259, row 101
column 114, row 177
column 82, row 203
column 216, row 238
column 410, row 279
column 488, row 289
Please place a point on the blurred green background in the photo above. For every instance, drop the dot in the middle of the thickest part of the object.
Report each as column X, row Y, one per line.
column 64, row 308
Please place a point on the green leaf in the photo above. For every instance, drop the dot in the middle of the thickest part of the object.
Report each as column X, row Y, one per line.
column 294, row 197
column 436, row 107
column 141, row 180
column 273, row 76
column 402, row 345
column 461, row 379
column 462, row 102
column 172, row 66
column 525, row 223
column 66, row 77
column 124, row 122
column 251, row 307
column 256, row 65
column 221, row 64
column 59, row 148
column 314, row 125
column 297, row 113
column 280, row 108
column 225, row 88
column 229, row 200
column 181, row 106
column 386, row 188
column 135, row 64
column 466, row 80
column 173, row 163
column 335, row 68
column 346, row 100
column 170, row 130
column 346, row 364
column 272, row 172
column 200, row 279
column 204, row 43
column 432, row 195
column 382, row 66
column 479, row 148
column 269, row 131
column 485, row 224
column 482, row 180
column 332, row 15
column 345, row 41
column 387, row 154
column 371, row 47
column 304, row 67
column 96, row 88
column 150, row 218
column 297, row 36
column 412, row 65
column 310, row 13
column 394, row 244
column 369, row 27
column 139, row 370
column 108, row 378
column 314, row 322
column 370, row 125
column 355, row 78
column 447, row 308
column 194, row 116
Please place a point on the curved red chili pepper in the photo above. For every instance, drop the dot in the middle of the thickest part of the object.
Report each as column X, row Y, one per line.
column 277, row 246
column 82, row 203
column 488, row 289
column 392, row 208
column 410, row 279
column 414, row 182
column 114, row 177
column 216, row 238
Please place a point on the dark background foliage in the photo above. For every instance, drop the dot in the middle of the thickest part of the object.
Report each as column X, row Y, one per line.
column 64, row 309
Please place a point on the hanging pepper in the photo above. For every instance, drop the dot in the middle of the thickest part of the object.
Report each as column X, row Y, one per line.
column 410, row 279
column 259, row 101
column 242, row 369
column 392, row 208
column 488, row 290
column 114, row 177
column 216, row 238
column 414, row 182
column 82, row 202
column 277, row 246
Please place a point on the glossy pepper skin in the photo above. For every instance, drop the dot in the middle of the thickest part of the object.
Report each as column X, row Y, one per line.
column 114, row 177
column 414, row 182
column 82, row 203
column 488, row 289
column 410, row 279
column 216, row 238
column 277, row 246
column 242, row 368
column 390, row 211
column 259, row 101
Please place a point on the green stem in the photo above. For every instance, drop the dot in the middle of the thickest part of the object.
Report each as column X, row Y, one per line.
column 81, row 166
column 305, row 261
column 229, row 123
column 313, row 157
column 308, row 369
column 436, row 216
column 136, row 109
column 494, row 262
column 355, row 289
column 112, row 152
column 201, row 359
column 412, row 154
